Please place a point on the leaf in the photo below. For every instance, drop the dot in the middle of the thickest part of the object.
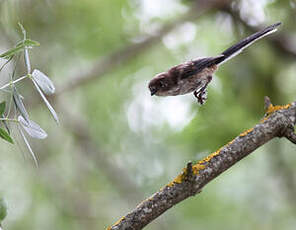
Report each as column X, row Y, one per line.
column 22, row 29
column 32, row 128
column 4, row 135
column 30, row 43
column 43, row 81
column 50, row 108
column 28, row 146
column 2, row 110
column 5, row 124
column 2, row 107
column 27, row 43
column 9, row 59
column 3, row 209
column 11, row 52
column 17, row 98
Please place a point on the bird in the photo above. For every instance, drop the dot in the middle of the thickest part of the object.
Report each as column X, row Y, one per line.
column 195, row 75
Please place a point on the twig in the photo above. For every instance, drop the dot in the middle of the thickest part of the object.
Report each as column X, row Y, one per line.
column 277, row 121
column 13, row 82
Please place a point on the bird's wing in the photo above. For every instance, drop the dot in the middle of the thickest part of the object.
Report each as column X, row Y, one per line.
column 191, row 68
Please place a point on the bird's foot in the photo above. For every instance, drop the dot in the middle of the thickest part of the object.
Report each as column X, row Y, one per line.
column 201, row 96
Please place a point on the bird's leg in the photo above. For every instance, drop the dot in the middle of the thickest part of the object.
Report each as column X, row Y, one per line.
column 201, row 94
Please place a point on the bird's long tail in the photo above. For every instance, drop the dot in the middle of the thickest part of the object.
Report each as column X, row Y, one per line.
column 240, row 46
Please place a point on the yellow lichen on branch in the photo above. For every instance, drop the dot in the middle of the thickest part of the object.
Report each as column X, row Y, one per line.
column 272, row 108
column 117, row 222
column 246, row 132
column 179, row 179
column 196, row 167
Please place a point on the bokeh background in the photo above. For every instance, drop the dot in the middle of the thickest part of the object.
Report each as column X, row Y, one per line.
column 116, row 144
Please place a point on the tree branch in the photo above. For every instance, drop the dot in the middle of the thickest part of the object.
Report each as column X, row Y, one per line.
column 277, row 122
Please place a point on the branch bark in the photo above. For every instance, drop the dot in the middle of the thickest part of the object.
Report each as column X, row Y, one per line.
column 278, row 122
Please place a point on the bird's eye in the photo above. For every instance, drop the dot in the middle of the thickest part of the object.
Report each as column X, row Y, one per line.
column 162, row 85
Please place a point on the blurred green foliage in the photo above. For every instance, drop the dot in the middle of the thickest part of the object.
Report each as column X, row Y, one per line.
column 3, row 209
column 82, row 180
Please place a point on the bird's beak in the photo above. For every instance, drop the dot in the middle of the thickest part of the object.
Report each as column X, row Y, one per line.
column 153, row 92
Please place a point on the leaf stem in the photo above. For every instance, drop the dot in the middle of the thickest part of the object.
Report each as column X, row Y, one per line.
column 27, row 61
column 13, row 82
column 8, row 119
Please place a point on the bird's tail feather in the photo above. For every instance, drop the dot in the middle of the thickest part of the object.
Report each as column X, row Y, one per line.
column 240, row 46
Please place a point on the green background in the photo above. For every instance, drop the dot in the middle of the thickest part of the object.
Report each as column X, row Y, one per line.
column 116, row 144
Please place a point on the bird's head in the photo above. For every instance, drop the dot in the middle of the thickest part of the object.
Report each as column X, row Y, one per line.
column 160, row 84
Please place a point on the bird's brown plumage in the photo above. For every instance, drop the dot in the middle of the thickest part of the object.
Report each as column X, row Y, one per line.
column 194, row 76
